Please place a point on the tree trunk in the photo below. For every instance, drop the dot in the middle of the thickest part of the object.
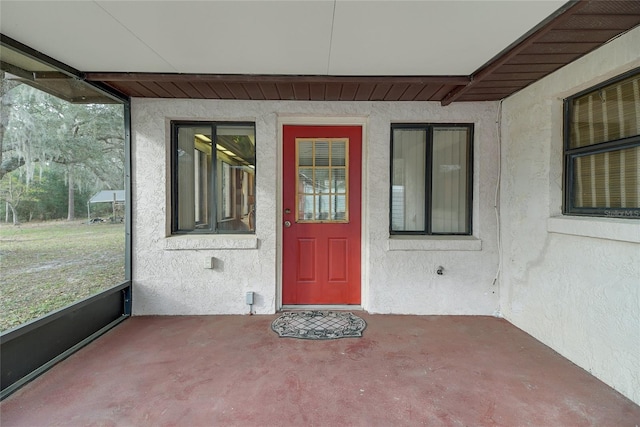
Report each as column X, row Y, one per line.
column 71, row 200
column 14, row 214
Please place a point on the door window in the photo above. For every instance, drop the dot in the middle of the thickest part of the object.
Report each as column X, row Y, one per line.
column 322, row 180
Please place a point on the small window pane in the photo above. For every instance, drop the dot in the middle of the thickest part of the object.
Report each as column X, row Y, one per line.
column 408, row 180
column 305, row 179
column 321, row 181
column 607, row 180
column 338, row 181
column 449, row 181
column 305, row 207
column 193, row 159
column 305, row 153
column 338, row 153
column 322, row 153
column 339, row 207
column 235, row 151
column 323, row 207
column 606, row 114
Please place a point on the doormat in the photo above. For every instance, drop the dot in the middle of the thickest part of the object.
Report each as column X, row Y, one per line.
column 319, row 325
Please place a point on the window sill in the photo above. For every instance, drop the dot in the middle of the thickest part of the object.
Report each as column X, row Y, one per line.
column 623, row 230
column 211, row 241
column 434, row 243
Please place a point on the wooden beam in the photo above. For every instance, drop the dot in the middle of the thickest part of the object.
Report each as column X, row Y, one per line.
column 258, row 78
column 562, row 15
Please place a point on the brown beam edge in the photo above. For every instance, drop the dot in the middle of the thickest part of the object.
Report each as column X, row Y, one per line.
column 561, row 15
column 261, row 78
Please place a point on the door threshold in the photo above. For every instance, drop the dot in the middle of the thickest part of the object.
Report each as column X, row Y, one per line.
column 321, row 307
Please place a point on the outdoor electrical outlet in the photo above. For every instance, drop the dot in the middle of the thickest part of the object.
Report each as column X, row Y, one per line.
column 249, row 298
column 210, row 263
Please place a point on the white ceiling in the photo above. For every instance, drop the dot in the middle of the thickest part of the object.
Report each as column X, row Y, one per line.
column 324, row 37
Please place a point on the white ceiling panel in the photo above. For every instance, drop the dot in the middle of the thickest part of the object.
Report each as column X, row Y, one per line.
column 79, row 34
column 343, row 37
column 245, row 37
column 428, row 37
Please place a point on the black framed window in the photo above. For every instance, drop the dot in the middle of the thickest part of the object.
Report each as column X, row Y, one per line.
column 213, row 177
column 602, row 149
column 431, row 179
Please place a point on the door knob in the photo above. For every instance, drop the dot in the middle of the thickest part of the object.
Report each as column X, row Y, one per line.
column 287, row 223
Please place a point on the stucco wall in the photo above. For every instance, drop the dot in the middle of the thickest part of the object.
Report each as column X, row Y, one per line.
column 398, row 274
column 572, row 283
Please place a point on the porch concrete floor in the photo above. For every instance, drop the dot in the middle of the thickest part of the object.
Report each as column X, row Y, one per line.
column 233, row 370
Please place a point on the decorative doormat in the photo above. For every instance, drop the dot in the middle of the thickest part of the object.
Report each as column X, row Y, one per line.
column 319, row 325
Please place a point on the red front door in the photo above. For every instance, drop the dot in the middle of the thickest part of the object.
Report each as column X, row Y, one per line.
column 321, row 202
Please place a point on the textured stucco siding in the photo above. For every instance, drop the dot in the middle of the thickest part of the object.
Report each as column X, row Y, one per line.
column 572, row 283
column 398, row 274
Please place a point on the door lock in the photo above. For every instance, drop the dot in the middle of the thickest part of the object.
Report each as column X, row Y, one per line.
column 287, row 224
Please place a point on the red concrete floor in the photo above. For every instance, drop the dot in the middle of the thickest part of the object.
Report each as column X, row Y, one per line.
column 234, row 371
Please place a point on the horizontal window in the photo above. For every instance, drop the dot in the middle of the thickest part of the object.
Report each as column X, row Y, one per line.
column 602, row 150
column 213, row 177
column 431, row 179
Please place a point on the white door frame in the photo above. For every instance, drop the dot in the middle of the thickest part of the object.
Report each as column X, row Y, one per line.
column 284, row 120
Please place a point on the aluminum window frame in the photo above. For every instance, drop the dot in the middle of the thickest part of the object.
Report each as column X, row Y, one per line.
column 213, row 228
column 570, row 154
column 429, row 128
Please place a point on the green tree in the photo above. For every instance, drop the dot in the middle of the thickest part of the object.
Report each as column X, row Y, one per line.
column 85, row 141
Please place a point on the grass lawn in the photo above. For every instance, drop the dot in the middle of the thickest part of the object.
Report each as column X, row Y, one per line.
column 46, row 266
